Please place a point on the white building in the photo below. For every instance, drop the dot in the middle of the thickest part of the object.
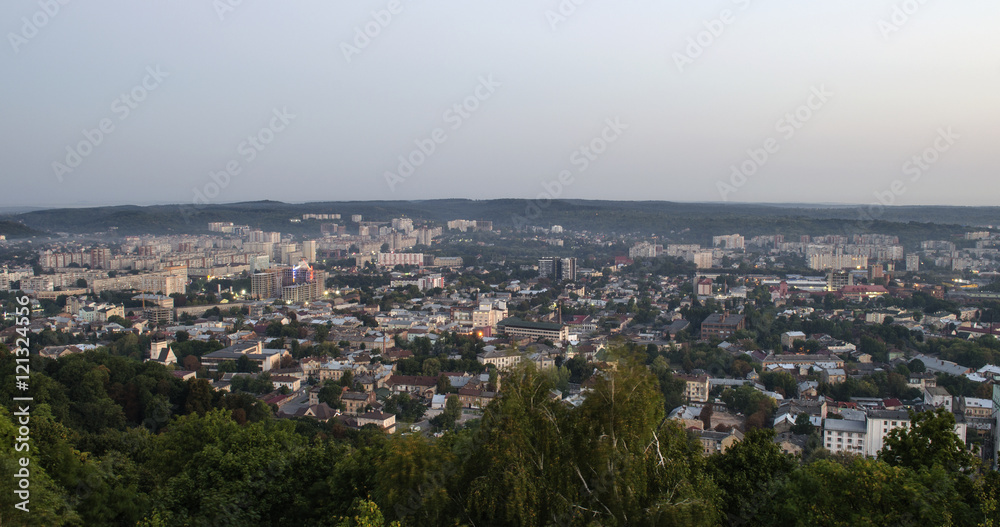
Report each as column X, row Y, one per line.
column 642, row 250
column 845, row 435
column 731, row 241
column 394, row 259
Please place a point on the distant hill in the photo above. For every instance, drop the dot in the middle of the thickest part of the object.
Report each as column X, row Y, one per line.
column 695, row 222
column 13, row 230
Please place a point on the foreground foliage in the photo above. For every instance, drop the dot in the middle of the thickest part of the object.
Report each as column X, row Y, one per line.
column 117, row 442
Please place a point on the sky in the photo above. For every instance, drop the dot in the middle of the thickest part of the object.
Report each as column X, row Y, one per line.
column 215, row 101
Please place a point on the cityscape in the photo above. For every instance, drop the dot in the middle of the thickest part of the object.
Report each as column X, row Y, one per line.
column 546, row 264
column 801, row 351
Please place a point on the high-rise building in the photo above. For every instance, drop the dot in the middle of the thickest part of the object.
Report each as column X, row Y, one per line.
column 731, row 241
column 265, row 237
column 913, row 262
column 394, row 259
column 837, row 280
column 265, row 284
column 567, row 270
column 294, row 284
column 644, row 250
column 100, row 258
column 703, row 259
column 837, row 260
column 309, row 250
column 557, row 268
column 402, row 224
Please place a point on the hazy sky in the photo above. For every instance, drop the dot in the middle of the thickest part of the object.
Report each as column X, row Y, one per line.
column 816, row 101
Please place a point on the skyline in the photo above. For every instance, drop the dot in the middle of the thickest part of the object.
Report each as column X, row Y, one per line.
column 293, row 105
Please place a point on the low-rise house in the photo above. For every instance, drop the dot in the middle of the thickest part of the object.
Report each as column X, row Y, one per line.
column 722, row 326
column 676, row 327
column 809, row 389
column 697, row 387
column 421, row 385
column 320, row 412
column 55, row 352
column 355, row 402
column 475, row 397
column 689, row 417
column 791, row 444
column 921, row 380
column 387, row 422
column 713, row 442
column 286, row 381
column 938, row 397
column 943, row 366
column 789, row 337
column 975, row 408
column 501, row 359
column 833, row 375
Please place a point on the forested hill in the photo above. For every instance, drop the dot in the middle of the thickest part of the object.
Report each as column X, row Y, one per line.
column 13, row 230
column 675, row 221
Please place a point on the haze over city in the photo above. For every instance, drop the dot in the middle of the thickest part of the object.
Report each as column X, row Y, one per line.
column 125, row 103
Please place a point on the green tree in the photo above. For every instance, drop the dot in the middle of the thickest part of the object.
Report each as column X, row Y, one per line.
column 121, row 321
column 245, row 365
column 404, row 407
column 347, row 379
column 930, row 440
column 447, row 418
column 366, row 514
column 747, row 400
column 748, row 475
column 322, row 332
column 802, row 425
column 330, row 394
column 199, row 396
column 865, row 492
